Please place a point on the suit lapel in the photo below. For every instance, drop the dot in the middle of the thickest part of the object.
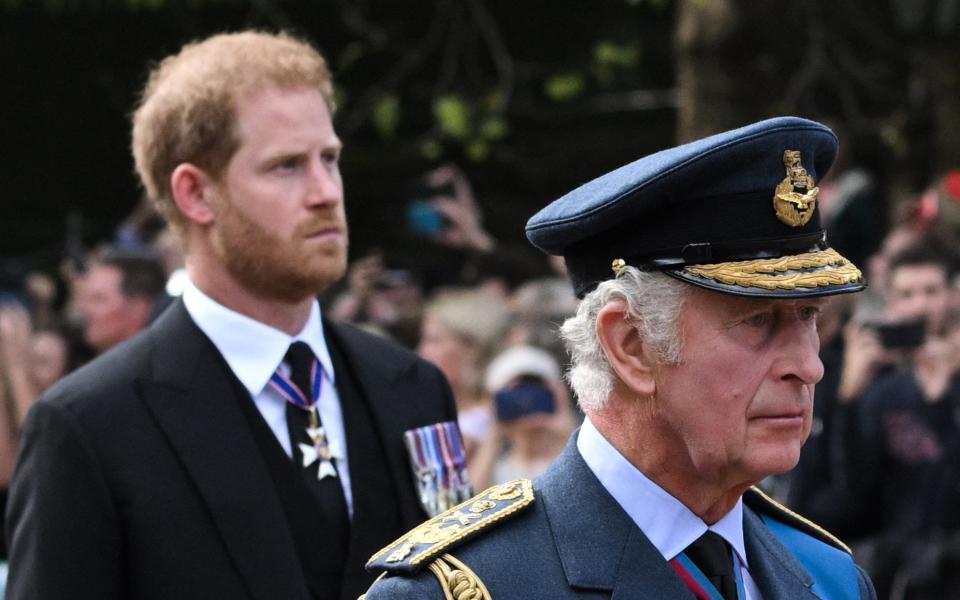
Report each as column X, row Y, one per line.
column 599, row 545
column 775, row 570
column 394, row 406
column 194, row 403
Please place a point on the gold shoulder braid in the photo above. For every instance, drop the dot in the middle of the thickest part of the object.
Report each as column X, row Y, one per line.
column 768, row 505
column 457, row 580
column 451, row 527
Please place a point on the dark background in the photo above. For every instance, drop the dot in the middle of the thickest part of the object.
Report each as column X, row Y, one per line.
column 540, row 96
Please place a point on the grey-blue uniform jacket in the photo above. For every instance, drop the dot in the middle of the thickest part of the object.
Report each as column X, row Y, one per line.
column 566, row 537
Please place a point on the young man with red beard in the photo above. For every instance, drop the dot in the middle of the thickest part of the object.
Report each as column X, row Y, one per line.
column 242, row 446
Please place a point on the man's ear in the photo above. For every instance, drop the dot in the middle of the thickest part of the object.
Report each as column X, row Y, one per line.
column 192, row 191
column 628, row 355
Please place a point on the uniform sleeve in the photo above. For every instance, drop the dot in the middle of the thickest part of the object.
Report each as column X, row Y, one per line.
column 421, row 587
column 866, row 586
column 64, row 538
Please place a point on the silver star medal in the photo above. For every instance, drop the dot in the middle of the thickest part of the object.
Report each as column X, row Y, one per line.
column 318, row 451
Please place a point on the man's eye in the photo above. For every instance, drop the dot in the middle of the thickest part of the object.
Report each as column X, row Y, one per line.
column 287, row 164
column 807, row 313
column 759, row 320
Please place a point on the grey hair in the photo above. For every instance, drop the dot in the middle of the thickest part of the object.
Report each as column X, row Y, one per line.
column 653, row 303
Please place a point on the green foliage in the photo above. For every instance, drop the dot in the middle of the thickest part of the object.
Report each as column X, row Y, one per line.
column 611, row 54
column 894, row 139
column 478, row 150
column 386, row 116
column 450, row 81
column 349, row 55
column 611, row 58
column 452, row 116
column 494, row 128
column 431, row 150
column 563, row 87
column 473, row 126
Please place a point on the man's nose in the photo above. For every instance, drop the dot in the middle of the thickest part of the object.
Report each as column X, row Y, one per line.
column 800, row 358
column 323, row 184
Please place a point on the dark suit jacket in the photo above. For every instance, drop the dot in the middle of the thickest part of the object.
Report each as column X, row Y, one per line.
column 576, row 542
column 138, row 476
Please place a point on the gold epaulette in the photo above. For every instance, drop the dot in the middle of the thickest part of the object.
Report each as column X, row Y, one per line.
column 756, row 499
column 457, row 580
column 419, row 546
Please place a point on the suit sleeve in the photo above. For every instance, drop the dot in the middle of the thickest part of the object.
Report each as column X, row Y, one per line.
column 450, row 406
column 64, row 537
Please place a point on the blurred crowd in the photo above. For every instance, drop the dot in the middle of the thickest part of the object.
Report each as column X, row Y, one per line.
column 882, row 466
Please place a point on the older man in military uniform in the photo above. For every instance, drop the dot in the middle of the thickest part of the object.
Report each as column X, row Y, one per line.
column 701, row 271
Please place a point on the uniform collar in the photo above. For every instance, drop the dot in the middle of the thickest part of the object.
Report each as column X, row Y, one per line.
column 252, row 349
column 665, row 521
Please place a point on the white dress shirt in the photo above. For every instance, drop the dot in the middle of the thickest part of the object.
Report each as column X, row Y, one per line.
column 668, row 523
column 254, row 350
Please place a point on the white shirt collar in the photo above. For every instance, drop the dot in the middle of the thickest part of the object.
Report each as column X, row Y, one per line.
column 252, row 349
column 668, row 523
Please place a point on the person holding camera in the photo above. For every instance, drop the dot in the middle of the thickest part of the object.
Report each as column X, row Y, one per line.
column 533, row 416
column 901, row 448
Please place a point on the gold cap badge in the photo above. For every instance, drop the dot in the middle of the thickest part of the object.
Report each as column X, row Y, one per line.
column 618, row 265
column 796, row 196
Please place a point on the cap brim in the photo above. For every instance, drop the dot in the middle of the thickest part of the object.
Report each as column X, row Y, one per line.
column 819, row 273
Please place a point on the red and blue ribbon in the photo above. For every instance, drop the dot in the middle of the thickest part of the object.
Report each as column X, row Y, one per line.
column 439, row 465
column 697, row 582
column 289, row 390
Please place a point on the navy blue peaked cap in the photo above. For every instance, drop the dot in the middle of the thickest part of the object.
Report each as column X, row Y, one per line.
column 735, row 212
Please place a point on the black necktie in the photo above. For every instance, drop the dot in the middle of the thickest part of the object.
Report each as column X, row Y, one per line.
column 300, row 358
column 328, row 490
column 711, row 553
